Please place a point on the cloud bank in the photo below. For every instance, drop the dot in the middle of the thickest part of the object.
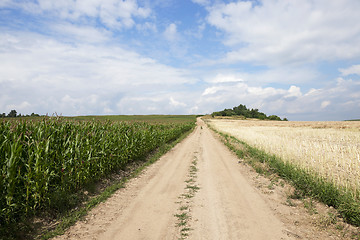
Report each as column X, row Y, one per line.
column 282, row 32
column 298, row 59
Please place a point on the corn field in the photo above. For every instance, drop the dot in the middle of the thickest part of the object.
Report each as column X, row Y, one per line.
column 42, row 159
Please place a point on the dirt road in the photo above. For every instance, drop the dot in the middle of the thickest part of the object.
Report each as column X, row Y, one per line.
column 196, row 191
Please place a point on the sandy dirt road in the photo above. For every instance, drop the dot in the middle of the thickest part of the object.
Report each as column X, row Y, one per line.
column 225, row 205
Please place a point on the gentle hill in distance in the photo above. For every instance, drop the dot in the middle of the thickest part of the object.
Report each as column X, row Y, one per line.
column 243, row 111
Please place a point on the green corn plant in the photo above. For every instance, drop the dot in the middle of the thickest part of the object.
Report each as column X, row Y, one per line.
column 42, row 160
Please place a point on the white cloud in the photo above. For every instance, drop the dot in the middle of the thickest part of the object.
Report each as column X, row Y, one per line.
column 222, row 78
column 355, row 69
column 324, row 104
column 20, row 107
column 197, row 32
column 171, row 33
column 84, row 34
column 175, row 103
column 293, row 91
column 147, row 27
column 210, row 90
column 285, row 74
column 155, row 103
column 77, row 79
column 277, row 32
column 202, row 2
column 112, row 13
column 295, row 75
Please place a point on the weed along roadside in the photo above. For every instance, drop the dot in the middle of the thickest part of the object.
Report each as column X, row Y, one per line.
column 307, row 183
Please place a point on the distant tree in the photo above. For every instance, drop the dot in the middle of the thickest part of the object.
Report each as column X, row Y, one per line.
column 254, row 113
column 285, row 119
column 228, row 112
column 261, row 116
column 12, row 113
column 242, row 110
column 2, row 115
column 274, row 117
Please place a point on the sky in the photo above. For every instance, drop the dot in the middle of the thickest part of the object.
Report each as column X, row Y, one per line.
column 298, row 59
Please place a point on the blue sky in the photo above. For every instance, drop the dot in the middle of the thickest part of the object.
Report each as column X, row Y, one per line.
column 298, row 59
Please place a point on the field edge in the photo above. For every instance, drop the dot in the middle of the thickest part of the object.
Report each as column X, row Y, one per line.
column 75, row 216
column 307, row 184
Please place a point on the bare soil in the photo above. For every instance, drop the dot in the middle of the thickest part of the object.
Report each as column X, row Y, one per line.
column 230, row 201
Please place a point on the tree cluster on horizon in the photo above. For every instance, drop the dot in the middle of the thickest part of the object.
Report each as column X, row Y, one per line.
column 242, row 110
column 13, row 114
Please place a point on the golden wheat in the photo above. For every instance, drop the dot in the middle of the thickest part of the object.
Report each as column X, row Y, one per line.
column 331, row 149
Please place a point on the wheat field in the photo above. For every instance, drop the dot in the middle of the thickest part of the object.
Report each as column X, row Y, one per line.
column 331, row 149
